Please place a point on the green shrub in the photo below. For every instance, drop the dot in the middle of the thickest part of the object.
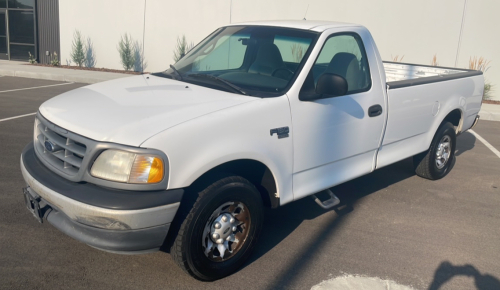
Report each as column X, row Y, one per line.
column 31, row 58
column 90, row 57
column 78, row 49
column 483, row 65
column 55, row 59
column 181, row 48
column 488, row 88
column 126, row 50
column 140, row 62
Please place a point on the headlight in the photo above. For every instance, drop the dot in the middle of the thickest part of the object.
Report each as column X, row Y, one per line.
column 122, row 166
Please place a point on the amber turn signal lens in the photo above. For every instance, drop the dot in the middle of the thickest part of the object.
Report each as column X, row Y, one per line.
column 156, row 172
column 146, row 169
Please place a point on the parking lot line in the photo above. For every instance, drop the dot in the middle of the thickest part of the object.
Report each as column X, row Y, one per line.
column 31, row 88
column 486, row 143
column 20, row 116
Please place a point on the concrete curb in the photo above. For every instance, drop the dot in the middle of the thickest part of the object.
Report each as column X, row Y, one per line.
column 20, row 69
column 490, row 112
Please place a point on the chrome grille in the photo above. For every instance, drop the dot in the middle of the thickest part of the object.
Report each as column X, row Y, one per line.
column 66, row 154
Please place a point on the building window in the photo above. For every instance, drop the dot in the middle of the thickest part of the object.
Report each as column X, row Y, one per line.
column 17, row 29
column 21, row 4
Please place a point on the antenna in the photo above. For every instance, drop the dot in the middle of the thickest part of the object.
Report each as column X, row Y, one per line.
column 306, row 12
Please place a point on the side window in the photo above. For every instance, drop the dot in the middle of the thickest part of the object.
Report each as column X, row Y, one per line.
column 228, row 53
column 344, row 55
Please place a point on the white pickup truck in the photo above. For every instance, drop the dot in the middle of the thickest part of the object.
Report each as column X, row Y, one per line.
column 256, row 115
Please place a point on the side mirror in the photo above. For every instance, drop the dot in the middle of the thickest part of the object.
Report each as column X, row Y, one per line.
column 331, row 84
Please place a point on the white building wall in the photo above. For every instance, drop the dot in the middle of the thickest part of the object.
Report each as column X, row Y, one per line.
column 103, row 21
column 166, row 20
column 481, row 38
column 417, row 30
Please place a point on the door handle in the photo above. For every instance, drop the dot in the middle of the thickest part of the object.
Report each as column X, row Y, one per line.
column 375, row 111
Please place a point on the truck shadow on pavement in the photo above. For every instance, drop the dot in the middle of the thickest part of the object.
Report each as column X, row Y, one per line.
column 465, row 142
column 281, row 222
column 446, row 271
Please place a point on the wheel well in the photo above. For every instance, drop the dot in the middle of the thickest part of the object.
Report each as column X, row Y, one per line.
column 255, row 172
column 454, row 117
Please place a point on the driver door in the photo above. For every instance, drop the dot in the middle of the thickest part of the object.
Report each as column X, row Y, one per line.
column 335, row 138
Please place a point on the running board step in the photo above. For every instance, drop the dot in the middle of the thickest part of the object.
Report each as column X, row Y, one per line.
column 329, row 203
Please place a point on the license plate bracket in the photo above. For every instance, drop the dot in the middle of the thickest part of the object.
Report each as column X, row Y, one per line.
column 33, row 205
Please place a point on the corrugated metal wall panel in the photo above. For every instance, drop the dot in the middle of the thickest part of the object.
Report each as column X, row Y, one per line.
column 48, row 29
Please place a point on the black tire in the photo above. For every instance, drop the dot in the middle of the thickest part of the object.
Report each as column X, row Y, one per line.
column 187, row 250
column 426, row 164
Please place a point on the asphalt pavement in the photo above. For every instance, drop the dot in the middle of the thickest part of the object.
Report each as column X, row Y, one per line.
column 391, row 225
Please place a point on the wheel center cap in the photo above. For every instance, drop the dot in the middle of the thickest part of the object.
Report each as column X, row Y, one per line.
column 223, row 228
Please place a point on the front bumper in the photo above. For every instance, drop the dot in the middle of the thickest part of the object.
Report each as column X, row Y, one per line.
column 107, row 219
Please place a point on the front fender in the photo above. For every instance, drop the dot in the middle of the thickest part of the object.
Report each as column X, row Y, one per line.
column 241, row 132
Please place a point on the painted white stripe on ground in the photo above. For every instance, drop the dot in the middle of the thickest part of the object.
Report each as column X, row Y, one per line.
column 486, row 143
column 20, row 116
column 31, row 88
column 350, row 282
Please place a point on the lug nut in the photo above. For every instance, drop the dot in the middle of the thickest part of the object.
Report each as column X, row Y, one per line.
column 219, row 241
column 228, row 238
column 215, row 236
column 217, row 225
column 232, row 220
column 224, row 218
column 235, row 229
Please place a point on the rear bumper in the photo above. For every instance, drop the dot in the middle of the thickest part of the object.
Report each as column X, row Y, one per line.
column 475, row 122
column 96, row 224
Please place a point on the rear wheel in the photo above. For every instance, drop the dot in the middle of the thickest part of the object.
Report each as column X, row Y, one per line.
column 436, row 162
column 220, row 230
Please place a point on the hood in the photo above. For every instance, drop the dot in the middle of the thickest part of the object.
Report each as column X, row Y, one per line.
column 130, row 110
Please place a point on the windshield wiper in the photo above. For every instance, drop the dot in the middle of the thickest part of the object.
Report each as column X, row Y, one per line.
column 177, row 72
column 227, row 83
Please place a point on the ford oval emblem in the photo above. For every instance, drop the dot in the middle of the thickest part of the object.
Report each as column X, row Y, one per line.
column 50, row 146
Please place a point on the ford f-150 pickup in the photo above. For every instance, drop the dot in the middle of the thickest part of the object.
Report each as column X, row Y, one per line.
column 256, row 115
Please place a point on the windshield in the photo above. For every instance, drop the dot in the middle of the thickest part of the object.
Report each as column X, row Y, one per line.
column 252, row 60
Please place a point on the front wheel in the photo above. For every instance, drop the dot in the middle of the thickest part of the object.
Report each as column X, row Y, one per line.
column 436, row 162
column 220, row 230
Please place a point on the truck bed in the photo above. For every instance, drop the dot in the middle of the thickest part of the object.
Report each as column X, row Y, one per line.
column 419, row 99
column 405, row 74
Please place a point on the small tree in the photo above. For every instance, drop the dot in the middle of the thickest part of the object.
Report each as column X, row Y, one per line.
column 90, row 58
column 140, row 62
column 78, row 49
column 126, row 50
column 182, row 48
